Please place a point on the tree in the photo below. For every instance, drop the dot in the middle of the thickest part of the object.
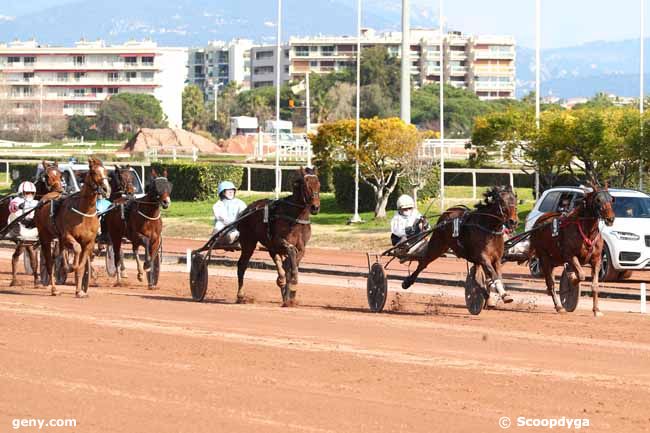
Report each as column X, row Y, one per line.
column 376, row 102
column 342, row 96
column 146, row 111
column 111, row 115
column 380, row 68
column 79, row 126
column 384, row 149
column 194, row 114
column 226, row 103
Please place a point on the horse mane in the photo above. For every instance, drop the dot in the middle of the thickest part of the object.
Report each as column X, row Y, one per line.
column 489, row 196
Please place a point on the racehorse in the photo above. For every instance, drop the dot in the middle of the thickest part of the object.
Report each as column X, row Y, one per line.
column 142, row 224
column 48, row 182
column 122, row 183
column 476, row 235
column 284, row 229
column 573, row 240
column 74, row 222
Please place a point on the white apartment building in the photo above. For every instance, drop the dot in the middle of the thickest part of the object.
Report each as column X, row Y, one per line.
column 77, row 79
column 482, row 64
column 220, row 62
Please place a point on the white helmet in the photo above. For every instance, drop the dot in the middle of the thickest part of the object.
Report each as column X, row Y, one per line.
column 27, row 187
column 405, row 201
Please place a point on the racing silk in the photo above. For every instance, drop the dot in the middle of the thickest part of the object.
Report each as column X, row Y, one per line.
column 400, row 222
column 102, row 204
column 16, row 211
column 226, row 211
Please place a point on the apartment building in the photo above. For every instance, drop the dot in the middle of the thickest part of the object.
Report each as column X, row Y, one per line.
column 75, row 80
column 220, row 62
column 482, row 64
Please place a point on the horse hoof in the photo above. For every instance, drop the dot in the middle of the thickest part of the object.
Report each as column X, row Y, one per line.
column 55, row 292
column 492, row 301
column 289, row 303
column 241, row 299
column 506, row 298
column 81, row 295
column 140, row 278
column 281, row 282
column 598, row 313
column 153, row 287
column 405, row 284
column 146, row 267
column 561, row 310
column 13, row 283
column 123, row 275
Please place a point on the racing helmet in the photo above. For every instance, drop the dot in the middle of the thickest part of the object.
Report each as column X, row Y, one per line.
column 225, row 185
column 405, row 201
column 26, row 188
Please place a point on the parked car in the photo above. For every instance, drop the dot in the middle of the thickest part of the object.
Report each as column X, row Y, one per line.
column 74, row 174
column 627, row 242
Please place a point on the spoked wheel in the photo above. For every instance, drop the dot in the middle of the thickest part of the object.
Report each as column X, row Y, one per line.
column 199, row 276
column 476, row 294
column 85, row 280
column 154, row 272
column 569, row 292
column 377, row 288
column 535, row 268
column 111, row 267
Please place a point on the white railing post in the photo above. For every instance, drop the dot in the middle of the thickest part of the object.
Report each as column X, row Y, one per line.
column 473, row 184
column 189, row 260
column 195, row 154
column 512, row 181
column 174, row 153
column 248, row 168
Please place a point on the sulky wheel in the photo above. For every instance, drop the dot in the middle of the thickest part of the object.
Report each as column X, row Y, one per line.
column 377, row 288
column 569, row 293
column 111, row 266
column 198, row 276
column 154, row 272
column 475, row 292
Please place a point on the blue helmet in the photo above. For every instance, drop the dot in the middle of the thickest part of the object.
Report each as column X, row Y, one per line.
column 225, row 185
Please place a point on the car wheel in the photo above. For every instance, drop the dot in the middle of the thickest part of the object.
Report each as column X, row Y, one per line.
column 535, row 267
column 607, row 271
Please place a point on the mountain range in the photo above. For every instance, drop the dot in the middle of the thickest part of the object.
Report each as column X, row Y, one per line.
column 566, row 72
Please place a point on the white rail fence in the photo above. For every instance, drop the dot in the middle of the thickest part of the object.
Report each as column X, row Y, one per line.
column 293, row 147
column 455, row 149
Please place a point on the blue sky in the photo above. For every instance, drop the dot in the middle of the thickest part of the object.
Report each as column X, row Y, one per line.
column 564, row 22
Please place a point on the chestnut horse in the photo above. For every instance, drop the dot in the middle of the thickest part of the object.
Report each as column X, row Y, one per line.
column 573, row 242
column 283, row 227
column 48, row 182
column 478, row 238
column 142, row 224
column 74, row 223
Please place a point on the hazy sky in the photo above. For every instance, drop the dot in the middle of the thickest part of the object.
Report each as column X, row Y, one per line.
column 564, row 22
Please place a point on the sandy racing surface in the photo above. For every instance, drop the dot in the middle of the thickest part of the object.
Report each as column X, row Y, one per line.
column 132, row 360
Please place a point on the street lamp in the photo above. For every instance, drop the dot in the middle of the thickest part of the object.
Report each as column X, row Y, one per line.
column 278, row 173
column 356, row 218
column 215, row 87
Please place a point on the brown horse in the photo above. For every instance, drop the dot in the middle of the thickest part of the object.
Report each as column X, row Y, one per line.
column 283, row 227
column 74, row 223
column 573, row 241
column 477, row 236
column 49, row 181
column 140, row 222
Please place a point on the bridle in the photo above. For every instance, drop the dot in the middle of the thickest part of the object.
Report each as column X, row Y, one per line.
column 306, row 193
column 119, row 182
column 45, row 178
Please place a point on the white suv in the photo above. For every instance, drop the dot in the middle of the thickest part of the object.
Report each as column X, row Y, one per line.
column 627, row 242
column 73, row 175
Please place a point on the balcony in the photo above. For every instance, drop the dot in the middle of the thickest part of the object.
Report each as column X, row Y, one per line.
column 490, row 54
column 457, row 70
column 494, row 70
column 494, row 85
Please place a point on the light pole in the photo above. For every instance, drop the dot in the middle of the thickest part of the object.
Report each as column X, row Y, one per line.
column 641, row 90
column 405, row 90
column 215, row 87
column 278, row 83
column 356, row 218
column 538, row 49
column 442, row 110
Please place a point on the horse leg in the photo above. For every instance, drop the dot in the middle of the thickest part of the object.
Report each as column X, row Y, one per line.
column 292, row 254
column 122, row 268
column 14, row 263
column 282, row 279
column 578, row 268
column 494, row 274
column 247, row 249
column 147, row 255
column 33, row 261
column 76, row 247
column 136, row 246
column 547, row 268
column 46, row 245
column 84, row 256
column 154, row 244
column 595, row 271
column 435, row 249
column 117, row 259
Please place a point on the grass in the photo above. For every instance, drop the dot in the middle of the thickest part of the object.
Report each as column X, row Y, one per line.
column 330, row 227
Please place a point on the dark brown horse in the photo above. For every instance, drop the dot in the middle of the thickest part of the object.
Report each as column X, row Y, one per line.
column 477, row 236
column 74, row 222
column 283, row 227
column 140, row 222
column 49, row 181
column 573, row 240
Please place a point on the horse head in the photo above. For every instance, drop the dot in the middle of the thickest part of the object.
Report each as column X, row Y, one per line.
column 51, row 177
column 504, row 199
column 306, row 189
column 96, row 178
column 599, row 203
column 122, row 181
column 160, row 188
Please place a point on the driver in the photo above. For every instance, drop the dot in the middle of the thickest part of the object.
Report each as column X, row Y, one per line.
column 407, row 220
column 23, row 203
column 226, row 210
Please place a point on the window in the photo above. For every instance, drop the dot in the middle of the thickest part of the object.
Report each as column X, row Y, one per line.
column 62, row 77
column 28, row 76
column 263, row 70
column 286, row 69
column 112, row 76
column 222, row 57
column 313, row 63
column 549, row 203
column 147, row 61
column 29, row 60
column 79, row 75
column 198, row 71
column 262, row 84
column 12, row 60
column 97, row 90
column 130, row 61
column 263, row 55
column 302, row 51
column 78, row 93
column 62, row 93
column 146, row 76
column 112, row 90
column 79, row 60
column 327, row 50
column 131, row 75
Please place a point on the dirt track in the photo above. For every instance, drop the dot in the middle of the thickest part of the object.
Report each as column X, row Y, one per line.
column 133, row 360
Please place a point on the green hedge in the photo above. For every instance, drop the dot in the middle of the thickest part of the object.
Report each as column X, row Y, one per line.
column 20, row 173
column 199, row 181
column 263, row 179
